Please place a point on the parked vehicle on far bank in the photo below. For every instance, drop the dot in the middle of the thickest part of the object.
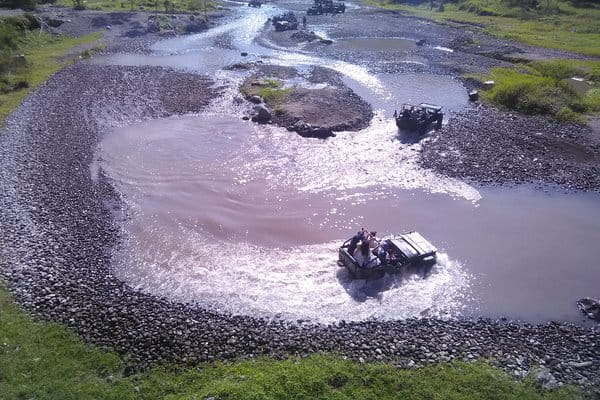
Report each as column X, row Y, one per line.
column 326, row 7
column 285, row 22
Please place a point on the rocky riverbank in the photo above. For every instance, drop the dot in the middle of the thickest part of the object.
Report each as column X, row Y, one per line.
column 488, row 146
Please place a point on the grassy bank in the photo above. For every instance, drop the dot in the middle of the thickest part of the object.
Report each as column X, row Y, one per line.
column 199, row 6
column 45, row 361
column 543, row 87
column 554, row 24
column 29, row 57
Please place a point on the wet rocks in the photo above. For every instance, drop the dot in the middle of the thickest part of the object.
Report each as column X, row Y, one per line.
column 169, row 25
column 255, row 99
column 307, row 130
column 261, row 114
column 54, row 22
column 304, row 36
column 590, row 307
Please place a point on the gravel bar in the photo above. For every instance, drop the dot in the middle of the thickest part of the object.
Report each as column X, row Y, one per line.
column 489, row 146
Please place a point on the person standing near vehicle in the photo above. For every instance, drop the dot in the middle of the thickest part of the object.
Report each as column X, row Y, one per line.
column 363, row 255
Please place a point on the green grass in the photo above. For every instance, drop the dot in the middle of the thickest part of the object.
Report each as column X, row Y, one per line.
column 42, row 52
column 540, row 87
column 561, row 27
column 273, row 96
column 271, row 91
column 46, row 361
column 328, row 377
column 148, row 5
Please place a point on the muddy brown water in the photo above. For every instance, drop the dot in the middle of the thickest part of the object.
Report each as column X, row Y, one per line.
column 247, row 219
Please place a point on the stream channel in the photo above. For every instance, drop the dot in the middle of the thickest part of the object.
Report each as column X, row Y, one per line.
column 247, row 218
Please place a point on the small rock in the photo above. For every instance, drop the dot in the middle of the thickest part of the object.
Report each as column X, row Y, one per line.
column 583, row 364
column 590, row 307
column 255, row 99
column 488, row 85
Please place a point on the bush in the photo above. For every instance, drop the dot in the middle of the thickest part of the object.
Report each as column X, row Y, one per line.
column 554, row 69
column 476, row 7
column 592, row 100
column 28, row 5
column 565, row 114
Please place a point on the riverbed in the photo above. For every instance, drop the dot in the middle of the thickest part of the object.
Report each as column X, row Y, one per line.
column 247, row 219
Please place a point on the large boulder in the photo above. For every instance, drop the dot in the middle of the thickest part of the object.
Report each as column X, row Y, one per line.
column 195, row 26
column 546, row 380
column 261, row 114
column 590, row 307
column 304, row 36
column 307, row 130
column 255, row 99
column 55, row 22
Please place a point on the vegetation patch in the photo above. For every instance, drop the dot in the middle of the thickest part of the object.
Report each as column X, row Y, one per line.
column 542, row 87
column 28, row 57
column 46, row 361
column 557, row 24
column 270, row 90
column 199, row 6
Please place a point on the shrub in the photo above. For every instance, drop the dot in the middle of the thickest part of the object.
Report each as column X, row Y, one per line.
column 592, row 99
column 565, row 114
column 561, row 69
column 554, row 69
column 23, row 4
column 476, row 7
column 21, row 23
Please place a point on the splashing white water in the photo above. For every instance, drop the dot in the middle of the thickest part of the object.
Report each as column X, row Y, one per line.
column 294, row 283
